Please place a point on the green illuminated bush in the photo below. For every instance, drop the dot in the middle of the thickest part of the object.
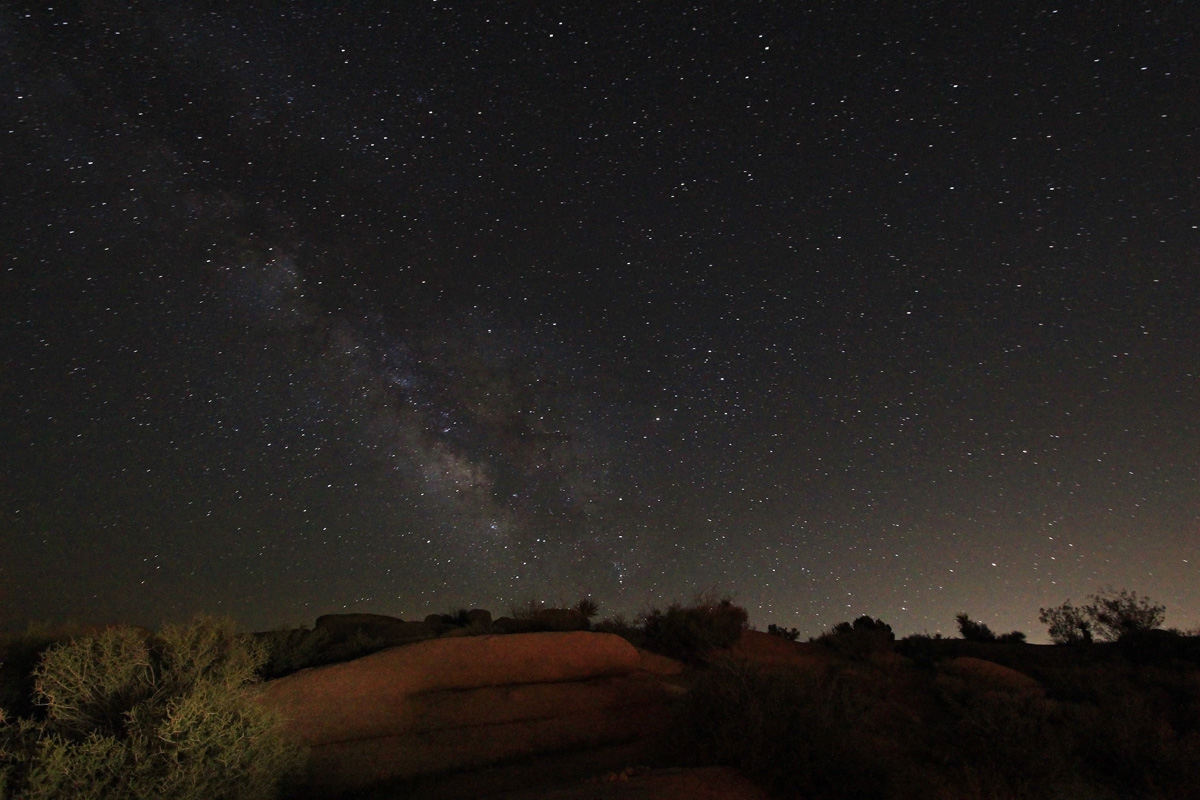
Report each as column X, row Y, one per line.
column 127, row 714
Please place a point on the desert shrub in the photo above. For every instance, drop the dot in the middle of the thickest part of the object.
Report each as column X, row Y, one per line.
column 1108, row 616
column 289, row 650
column 587, row 608
column 358, row 644
column 127, row 714
column 859, row 639
column 1128, row 744
column 691, row 633
column 791, row 634
column 535, row 616
column 922, row 649
column 1067, row 624
column 1012, row 637
column 797, row 735
column 974, row 631
column 1116, row 614
column 1156, row 647
column 19, row 655
column 620, row 625
column 1001, row 744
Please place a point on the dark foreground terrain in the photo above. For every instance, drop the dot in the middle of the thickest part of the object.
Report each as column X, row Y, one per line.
column 687, row 704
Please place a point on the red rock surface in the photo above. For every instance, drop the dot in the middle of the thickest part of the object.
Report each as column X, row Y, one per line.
column 485, row 716
column 658, row 665
column 352, row 765
column 370, row 696
column 775, row 651
column 989, row 674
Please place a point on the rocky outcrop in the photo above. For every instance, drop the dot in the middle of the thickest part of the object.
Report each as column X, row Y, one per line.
column 479, row 617
column 655, row 664
column 340, row 627
column 454, row 703
column 988, row 675
column 544, row 619
column 463, row 730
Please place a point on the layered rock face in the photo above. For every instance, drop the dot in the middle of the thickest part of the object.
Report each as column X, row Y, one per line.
column 343, row 626
column 466, row 702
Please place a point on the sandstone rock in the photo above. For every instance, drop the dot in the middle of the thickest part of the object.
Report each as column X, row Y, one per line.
column 495, row 705
column 544, row 619
column 658, row 664
column 343, row 626
column 989, row 674
column 479, row 616
column 342, row 766
column 361, row 698
column 559, row 619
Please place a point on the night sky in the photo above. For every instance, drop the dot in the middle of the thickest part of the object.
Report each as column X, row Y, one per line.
column 845, row 308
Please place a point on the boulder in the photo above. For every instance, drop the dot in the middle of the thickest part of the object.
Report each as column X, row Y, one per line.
column 543, row 619
column 989, row 674
column 559, row 619
column 509, row 625
column 498, row 705
column 366, row 697
column 338, row 767
column 340, row 627
column 659, row 665
column 479, row 616
column 492, row 705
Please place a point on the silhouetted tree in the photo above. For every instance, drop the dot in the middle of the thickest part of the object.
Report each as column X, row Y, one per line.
column 1108, row 616
column 859, row 638
column 1115, row 614
column 791, row 634
column 1067, row 624
column 974, row 631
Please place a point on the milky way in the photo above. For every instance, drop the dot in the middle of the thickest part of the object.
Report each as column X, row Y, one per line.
column 406, row 308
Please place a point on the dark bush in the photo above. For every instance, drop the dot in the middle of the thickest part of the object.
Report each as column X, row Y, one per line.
column 793, row 733
column 1005, row 745
column 859, row 639
column 791, row 634
column 1115, row 614
column 619, row 625
column 535, row 617
column 1067, row 624
column 1128, row 744
column 690, row 634
column 587, row 607
column 973, row 631
column 1153, row 646
column 289, row 650
column 922, row 648
column 1110, row 615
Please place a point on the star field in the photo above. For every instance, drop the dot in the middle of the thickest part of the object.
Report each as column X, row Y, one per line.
column 403, row 308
